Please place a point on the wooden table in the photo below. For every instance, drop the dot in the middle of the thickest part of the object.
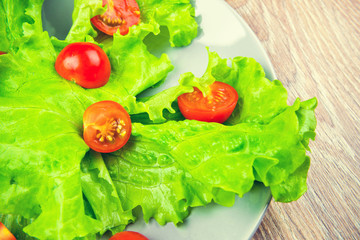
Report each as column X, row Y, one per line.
column 315, row 49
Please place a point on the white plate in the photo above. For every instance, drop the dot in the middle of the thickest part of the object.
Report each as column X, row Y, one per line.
column 223, row 31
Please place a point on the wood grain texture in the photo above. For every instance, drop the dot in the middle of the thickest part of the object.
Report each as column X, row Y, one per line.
column 315, row 49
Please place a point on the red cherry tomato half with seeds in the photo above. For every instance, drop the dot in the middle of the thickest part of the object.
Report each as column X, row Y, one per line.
column 120, row 14
column 128, row 235
column 84, row 63
column 5, row 234
column 107, row 126
column 217, row 106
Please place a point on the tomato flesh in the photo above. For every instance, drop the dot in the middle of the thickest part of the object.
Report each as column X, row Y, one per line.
column 216, row 106
column 128, row 235
column 120, row 14
column 84, row 63
column 107, row 126
column 5, row 234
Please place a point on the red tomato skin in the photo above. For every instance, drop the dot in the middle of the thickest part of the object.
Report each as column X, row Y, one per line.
column 205, row 116
column 1, row 53
column 125, row 11
column 128, row 235
column 84, row 63
column 96, row 116
column 5, row 234
column 195, row 106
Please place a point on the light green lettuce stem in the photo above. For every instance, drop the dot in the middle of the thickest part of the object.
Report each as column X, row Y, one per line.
column 101, row 193
column 18, row 19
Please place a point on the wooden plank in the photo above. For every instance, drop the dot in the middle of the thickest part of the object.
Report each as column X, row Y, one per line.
column 315, row 49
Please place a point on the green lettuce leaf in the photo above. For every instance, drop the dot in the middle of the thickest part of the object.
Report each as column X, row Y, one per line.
column 82, row 13
column 101, row 194
column 163, row 101
column 134, row 69
column 40, row 179
column 177, row 16
column 18, row 20
column 260, row 99
column 167, row 168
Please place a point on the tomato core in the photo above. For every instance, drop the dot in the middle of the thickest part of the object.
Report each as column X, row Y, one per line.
column 216, row 106
column 107, row 126
column 120, row 15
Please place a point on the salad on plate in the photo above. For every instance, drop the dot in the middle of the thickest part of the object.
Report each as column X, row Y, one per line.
column 81, row 148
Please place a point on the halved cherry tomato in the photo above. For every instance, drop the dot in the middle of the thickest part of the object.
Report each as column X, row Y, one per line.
column 5, row 234
column 216, row 106
column 1, row 53
column 128, row 235
column 84, row 63
column 120, row 14
column 107, row 126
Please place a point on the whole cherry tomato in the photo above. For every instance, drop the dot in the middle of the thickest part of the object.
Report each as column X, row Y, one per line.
column 84, row 63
